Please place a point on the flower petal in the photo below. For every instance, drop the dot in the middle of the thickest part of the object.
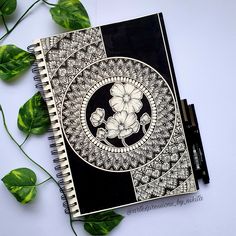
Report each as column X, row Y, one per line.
column 112, row 133
column 117, row 90
column 118, row 107
column 117, row 104
column 101, row 133
column 94, row 123
column 129, row 88
column 137, row 94
column 129, row 107
column 120, row 117
column 125, row 133
column 136, row 104
column 130, row 120
column 145, row 119
column 135, row 127
column 95, row 117
column 100, row 112
column 95, row 120
column 112, row 124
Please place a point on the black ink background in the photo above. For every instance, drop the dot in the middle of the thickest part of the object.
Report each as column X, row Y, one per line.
column 140, row 39
column 96, row 101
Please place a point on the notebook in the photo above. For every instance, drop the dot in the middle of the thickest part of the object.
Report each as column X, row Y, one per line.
column 115, row 111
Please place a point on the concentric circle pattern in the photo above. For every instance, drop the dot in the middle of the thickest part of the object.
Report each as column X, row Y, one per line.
column 133, row 124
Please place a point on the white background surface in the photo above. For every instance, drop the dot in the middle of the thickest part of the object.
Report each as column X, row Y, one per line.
column 202, row 37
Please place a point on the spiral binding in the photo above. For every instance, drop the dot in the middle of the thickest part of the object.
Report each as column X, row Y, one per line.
column 56, row 140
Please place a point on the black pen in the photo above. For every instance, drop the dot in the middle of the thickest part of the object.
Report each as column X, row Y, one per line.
column 198, row 152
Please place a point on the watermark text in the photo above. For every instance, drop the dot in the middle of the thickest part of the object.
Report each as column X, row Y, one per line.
column 163, row 203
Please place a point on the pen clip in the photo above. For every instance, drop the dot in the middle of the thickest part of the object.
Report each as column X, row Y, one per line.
column 194, row 141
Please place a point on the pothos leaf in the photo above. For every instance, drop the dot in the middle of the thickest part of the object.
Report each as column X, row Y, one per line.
column 13, row 60
column 33, row 116
column 22, row 184
column 102, row 223
column 70, row 14
column 7, row 7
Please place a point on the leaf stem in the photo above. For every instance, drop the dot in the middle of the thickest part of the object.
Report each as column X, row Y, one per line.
column 42, row 168
column 144, row 129
column 25, row 139
column 48, row 3
column 76, row 220
column 4, row 22
column 20, row 19
column 123, row 142
column 44, row 181
column 107, row 142
column 12, row 138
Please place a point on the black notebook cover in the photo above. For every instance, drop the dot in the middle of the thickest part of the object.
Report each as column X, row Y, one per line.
column 115, row 101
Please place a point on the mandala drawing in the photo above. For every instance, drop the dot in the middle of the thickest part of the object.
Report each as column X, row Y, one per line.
column 168, row 182
column 125, row 98
column 118, row 114
column 116, row 120
column 165, row 161
column 66, row 55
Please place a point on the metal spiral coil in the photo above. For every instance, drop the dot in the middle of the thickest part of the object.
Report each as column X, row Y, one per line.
column 62, row 173
column 31, row 47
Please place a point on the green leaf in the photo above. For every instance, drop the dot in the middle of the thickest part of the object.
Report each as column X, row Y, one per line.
column 22, row 184
column 102, row 223
column 33, row 117
column 7, row 7
column 70, row 14
column 13, row 60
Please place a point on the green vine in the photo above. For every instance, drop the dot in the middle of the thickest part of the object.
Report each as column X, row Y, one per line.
column 18, row 21
column 35, row 163
column 70, row 14
column 33, row 117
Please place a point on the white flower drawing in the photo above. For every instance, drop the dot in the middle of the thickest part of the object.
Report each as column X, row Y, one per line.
column 145, row 119
column 97, row 117
column 101, row 134
column 122, row 125
column 125, row 98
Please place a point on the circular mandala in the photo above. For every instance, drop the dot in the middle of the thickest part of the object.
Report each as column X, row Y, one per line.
column 112, row 127
column 118, row 114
